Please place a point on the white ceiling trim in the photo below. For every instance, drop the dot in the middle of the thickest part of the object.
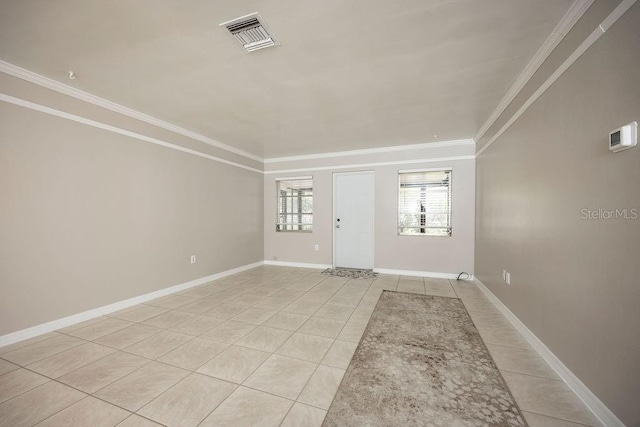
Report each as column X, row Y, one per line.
column 30, row 76
column 99, row 125
column 575, row 12
column 369, row 165
column 57, row 113
column 584, row 46
column 46, row 82
column 390, row 149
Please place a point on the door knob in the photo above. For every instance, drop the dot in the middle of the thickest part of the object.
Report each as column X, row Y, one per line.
column 338, row 226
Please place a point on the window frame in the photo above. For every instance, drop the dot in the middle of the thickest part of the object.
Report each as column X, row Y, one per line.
column 449, row 229
column 279, row 214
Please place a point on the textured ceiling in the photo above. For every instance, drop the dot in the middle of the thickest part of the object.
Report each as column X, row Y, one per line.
column 349, row 74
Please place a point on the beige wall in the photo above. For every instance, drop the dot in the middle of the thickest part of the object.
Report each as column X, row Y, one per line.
column 590, row 20
column 90, row 217
column 415, row 253
column 574, row 282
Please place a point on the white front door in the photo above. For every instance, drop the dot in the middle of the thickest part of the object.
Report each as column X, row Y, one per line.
column 353, row 201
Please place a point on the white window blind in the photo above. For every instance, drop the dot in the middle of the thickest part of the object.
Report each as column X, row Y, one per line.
column 295, row 204
column 424, row 203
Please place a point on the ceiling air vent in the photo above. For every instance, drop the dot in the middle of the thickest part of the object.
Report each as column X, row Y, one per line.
column 251, row 32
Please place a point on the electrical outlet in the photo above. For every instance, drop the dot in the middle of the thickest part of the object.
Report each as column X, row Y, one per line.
column 193, row 259
column 316, row 248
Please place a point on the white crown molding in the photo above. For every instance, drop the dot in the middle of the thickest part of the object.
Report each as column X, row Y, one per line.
column 101, row 311
column 590, row 400
column 46, row 82
column 370, row 165
column 30, row 76
column 296, row 264
column 390, row 149
column 615, row 15
column 418, row 273
column 575, row 12
column 99, row 125
column 580, row 50
column 57, row 113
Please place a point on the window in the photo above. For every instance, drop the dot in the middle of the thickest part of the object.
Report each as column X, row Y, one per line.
column 424, row 203
column 295, row 204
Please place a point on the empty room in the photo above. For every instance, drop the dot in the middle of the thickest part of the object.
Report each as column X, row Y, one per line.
column 330, row 213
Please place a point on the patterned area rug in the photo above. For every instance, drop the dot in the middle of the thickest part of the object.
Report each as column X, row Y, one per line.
column 352, row 273
column 421, row 361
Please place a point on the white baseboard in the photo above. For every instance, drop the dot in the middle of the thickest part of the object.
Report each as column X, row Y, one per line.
column 377, row 270
column 296, row 264
column 590, row 400
column 101, row 311
column 419, row 273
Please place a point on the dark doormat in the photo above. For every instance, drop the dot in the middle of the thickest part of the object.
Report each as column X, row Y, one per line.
column 352, row 273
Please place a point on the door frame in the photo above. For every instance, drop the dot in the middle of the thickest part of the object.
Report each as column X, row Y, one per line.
column 335, row 213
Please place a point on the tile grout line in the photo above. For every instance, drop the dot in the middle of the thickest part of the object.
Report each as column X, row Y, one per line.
column 298, row 395
column 32, row 388
column 51, row 355
column 74, row 388
column 274, row 353
column 183, row 379
column 245, row 291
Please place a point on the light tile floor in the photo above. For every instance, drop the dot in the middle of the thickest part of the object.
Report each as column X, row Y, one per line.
column 268, row 346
